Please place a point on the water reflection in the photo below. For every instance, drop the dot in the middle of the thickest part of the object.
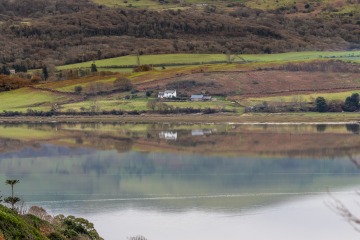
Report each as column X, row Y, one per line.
column 222, row 140
column 106, row 168
column 168, row 135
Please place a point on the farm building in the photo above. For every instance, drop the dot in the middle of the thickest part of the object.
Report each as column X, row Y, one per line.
column 200, row 98
column 167, row 94
column 197, row 97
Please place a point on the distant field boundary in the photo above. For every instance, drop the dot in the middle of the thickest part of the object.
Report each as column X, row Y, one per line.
column 164, row 64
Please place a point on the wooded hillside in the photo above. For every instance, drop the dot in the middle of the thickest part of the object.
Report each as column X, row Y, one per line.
column 64, row 31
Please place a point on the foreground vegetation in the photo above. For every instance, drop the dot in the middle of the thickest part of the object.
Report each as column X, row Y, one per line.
column 29, row 226
column 17, row 223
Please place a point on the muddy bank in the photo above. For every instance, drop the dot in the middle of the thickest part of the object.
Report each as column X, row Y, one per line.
column 255, row 118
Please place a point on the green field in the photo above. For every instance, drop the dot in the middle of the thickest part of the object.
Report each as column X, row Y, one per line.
column 151, row 59
column 140, row 104
column 209, row 58
column 69, row 85
column 25, row 98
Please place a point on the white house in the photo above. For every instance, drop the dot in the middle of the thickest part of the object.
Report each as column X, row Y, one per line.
column 167, row 94
column 168, row 135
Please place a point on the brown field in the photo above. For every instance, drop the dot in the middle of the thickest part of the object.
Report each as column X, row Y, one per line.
column 261, row 83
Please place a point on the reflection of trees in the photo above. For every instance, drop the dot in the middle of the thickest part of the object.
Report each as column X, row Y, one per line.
column 100, row 167
column 13, row 145
column 107, row 142
column 139, row 167
column 321, row 127
column 354, row 128
column 355, row 161
column 123, row 145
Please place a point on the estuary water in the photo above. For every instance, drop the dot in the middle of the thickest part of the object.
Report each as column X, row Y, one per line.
column 165, row 181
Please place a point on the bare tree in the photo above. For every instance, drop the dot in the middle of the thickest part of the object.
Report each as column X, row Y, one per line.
column 339, row 208
column 138, row 237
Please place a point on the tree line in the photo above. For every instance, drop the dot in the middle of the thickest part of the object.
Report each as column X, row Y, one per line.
column 351, row 104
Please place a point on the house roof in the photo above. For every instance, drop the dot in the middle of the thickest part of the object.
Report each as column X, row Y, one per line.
column 197, row 96
column 170, row 91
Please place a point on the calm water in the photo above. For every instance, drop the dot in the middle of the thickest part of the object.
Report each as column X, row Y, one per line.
column 189, row 181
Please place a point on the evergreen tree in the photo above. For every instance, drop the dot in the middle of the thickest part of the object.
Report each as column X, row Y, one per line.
column 352, row 103
column 5, row 70
column 93, row 67
column 321, row 105
column 45, row 72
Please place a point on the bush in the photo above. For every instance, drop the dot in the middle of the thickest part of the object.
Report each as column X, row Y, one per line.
column 142, row 68
column 351, row 103
column 78, row 89
column 148, row 93
column 321, row 104
column 123, row 84
column 335, row 106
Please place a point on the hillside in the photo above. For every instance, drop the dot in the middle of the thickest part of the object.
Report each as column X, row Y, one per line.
column 15, row 226
column 50, row 32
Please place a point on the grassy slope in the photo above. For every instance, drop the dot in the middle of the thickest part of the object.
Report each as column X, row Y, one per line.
column 15, row 226
column 24, row 98
column 140, row 105
column 69, row 85
column 206, row 58
column 151, row 59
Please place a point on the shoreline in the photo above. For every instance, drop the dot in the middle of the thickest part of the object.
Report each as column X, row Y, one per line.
column 231, row 119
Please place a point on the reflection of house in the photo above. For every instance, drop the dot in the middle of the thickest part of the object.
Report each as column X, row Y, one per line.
column 200, row 98
column 168, row 135
column 200, row 132
column 167, row 94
